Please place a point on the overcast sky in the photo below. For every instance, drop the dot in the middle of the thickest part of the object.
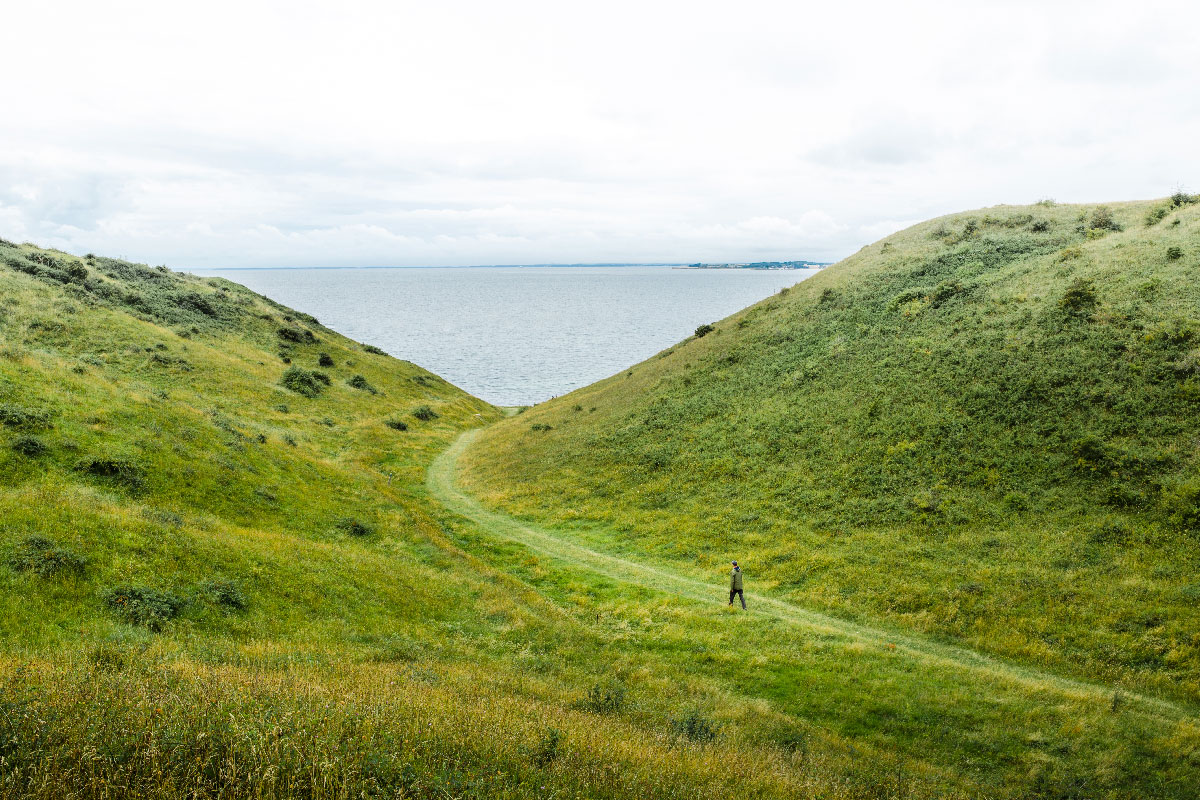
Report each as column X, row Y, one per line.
column 370, row 133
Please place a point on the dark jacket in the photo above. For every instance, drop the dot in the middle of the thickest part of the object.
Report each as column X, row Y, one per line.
column 735, row 580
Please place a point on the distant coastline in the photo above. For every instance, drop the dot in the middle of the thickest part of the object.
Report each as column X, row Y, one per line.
column 761, row 265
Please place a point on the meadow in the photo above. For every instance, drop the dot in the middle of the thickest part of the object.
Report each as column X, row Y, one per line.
column 244, row 556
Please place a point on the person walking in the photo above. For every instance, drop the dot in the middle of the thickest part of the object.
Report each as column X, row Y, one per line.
column 735, row 585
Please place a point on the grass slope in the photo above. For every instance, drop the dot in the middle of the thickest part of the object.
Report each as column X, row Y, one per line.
column 223, row 576
column 983, row 428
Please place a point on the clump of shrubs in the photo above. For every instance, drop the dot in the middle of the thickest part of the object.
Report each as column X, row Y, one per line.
column 15, row 416
column 30, row 446
column 704, row 330
column 44, row 558
column 1040, row 226
column 139, row 605
column 1080, row 297
column 359, row 382
column 308, row 383
column 1102, row 220
column 694, row 727
column 425, row 413
column 118, row 470
column 604, row 699
column 370, row 348
column 224, row 593
column 296, row 335
column 325, row 360
column 540, row 426
column 354, row 527
column 396, row 424
column 1174, row 253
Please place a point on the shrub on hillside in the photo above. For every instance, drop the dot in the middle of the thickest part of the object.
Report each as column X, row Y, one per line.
column 425, row 413
column 547, row 750
column 608, row 698
column 1040, row 226
column 1080, row 297
column 354, row 527
column 44, row 558
column 1174, row 253
column 359, row 382
column 1157, row 214
column 704, row 330
column 1102, row 220
column 325, row 360
column 15, row 416
column 225, row 593
column 139, row 605
column 118, row 470
column 309, row 383
column 30, row 446
column 1182, row 505
column 1180, row 199
column 370, row 348
column 694, row 727
column 396, row 424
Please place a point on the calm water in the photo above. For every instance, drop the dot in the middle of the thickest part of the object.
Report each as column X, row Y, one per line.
column 518, row 335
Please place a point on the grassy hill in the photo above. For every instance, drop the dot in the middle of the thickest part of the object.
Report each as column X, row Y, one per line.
column 238, row 558
column 984, row 428
column 222, row 576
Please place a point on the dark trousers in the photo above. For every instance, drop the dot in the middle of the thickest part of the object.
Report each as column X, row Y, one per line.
column 741, row 596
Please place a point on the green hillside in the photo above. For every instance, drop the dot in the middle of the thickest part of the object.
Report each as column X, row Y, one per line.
column 984, row 428
column 223, row 576
column 243, row 556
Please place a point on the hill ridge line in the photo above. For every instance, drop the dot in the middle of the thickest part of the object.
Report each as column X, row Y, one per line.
column 442, row 484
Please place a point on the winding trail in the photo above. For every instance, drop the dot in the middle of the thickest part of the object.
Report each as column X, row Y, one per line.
column 442, row 483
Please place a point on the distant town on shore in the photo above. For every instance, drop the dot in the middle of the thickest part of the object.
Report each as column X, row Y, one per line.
column 762, row 265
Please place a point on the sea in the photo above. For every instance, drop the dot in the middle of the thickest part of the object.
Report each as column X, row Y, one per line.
column 518, row 335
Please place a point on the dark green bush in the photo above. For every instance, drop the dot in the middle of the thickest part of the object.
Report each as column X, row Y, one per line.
column 694, row 727
column 1080, row 297
column 44, row 558
column 139, row 605
column 295, row 335
column 1102, row 220
column 225, row 593
column 1174, row 253
column 30, row 446
column 704, row 330
column 370, row 348
column 546, row 751
column 304, row 382
column 540, row 426
column 1040, row 226
column 15, row 416
column 604, row 699
column 117, row 470
column 325, row 360
column 354, row 527
column 425, row 413
column 359, row 382
column 1156, row 215
column 396, row 424
column 1180, row 199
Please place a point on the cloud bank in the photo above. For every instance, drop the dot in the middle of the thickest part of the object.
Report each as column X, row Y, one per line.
column 372, row 133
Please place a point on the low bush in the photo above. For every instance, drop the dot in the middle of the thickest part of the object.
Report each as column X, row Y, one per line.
column 1156, row 215
column 1180, row 199
column 604, row 699
column 44, row 558
column 425, row 413
column 359, row 382
column 139, row 605
column 704, row 330
column 308, row 383
column 370, row 348
column 117, row 470
column 546, row 751
column 295, row 335
column 1102, row 220
column 1174, row 253
column 396, row 424
column 30, row 446
column 1040, row 226
column 15, row 416
column 540, row 426
column 224, row 592
column 694, row 727
column 325, row 360
column 1080, row 297
column 354, row 527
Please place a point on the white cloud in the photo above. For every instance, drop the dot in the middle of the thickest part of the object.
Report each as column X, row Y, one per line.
column 375, row 132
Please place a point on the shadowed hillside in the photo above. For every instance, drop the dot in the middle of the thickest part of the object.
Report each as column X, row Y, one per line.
column 985, row 427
